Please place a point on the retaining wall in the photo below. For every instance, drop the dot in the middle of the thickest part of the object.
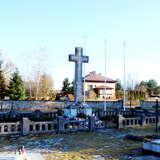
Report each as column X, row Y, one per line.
column 50, row 105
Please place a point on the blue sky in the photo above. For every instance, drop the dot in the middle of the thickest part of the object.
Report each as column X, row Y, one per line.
column 58, row 26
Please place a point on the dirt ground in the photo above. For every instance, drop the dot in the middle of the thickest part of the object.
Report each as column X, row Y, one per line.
column 103, row 144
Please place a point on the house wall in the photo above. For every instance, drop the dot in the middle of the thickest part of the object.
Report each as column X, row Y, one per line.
column 110, row 93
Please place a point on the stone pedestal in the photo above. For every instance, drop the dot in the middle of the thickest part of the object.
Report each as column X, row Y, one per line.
column 120, row 119
column 91, row 123
column 70, row 111
column 143, row 120
column 60, row 124
column 85, row 109
column 25, row 126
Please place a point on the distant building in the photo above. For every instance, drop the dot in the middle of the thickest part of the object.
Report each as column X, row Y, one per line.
column 96, row 82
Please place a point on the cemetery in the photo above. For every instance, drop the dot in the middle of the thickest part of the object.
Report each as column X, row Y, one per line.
column 59, row 118
column 36, row 117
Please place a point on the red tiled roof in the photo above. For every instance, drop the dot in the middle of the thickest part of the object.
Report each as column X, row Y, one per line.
column 94, row 77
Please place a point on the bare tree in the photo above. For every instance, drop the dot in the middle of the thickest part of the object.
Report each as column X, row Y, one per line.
column 37, row 79
column 8, row 67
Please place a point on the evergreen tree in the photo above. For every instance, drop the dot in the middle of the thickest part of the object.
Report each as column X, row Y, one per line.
column 3, row 91
column 16, row 87
column 153, row 88
column 118, row 89
column 67, row 87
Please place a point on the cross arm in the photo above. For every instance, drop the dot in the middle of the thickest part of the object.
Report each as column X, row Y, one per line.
column 85, row 59
column 72, row 58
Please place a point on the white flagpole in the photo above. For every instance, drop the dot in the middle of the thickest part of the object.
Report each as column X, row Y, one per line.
column 124, row 78
column 84, row 93
column 105, row 72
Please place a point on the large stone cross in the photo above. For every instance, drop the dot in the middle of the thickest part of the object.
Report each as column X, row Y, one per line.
column 78, row 58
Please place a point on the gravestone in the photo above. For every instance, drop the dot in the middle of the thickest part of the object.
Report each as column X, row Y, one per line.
column 79, row 59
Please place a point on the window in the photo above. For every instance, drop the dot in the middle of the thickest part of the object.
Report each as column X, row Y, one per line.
column 90, row 87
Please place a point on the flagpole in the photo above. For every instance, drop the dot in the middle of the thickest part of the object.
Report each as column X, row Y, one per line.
column 105, row 72
column 124, row 76
column 84, row 93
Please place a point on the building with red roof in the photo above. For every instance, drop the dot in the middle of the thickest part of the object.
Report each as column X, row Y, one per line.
column 99, row 84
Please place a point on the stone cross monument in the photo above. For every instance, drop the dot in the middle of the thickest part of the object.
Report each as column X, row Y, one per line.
column 78, row 58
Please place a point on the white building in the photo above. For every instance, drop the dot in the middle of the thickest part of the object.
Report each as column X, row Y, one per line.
column 96, row 82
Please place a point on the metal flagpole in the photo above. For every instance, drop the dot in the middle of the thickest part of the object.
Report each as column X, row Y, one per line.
column 84, row 81
column 124, row 78
column 105, row 66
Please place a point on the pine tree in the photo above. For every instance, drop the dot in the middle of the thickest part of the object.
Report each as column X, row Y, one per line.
column 3, row 91
column 67, row 87
column 16, row 87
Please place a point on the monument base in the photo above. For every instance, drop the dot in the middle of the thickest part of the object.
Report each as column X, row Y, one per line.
column 85, row 109
column 76, row 108
column 70, row 111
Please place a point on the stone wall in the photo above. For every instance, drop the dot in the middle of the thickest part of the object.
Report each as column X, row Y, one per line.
column 10, row 128
column 59, row 125
column 136, row 121
column 112, row 104
column 30, row 105
column 7, row 105
column 147, row 104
